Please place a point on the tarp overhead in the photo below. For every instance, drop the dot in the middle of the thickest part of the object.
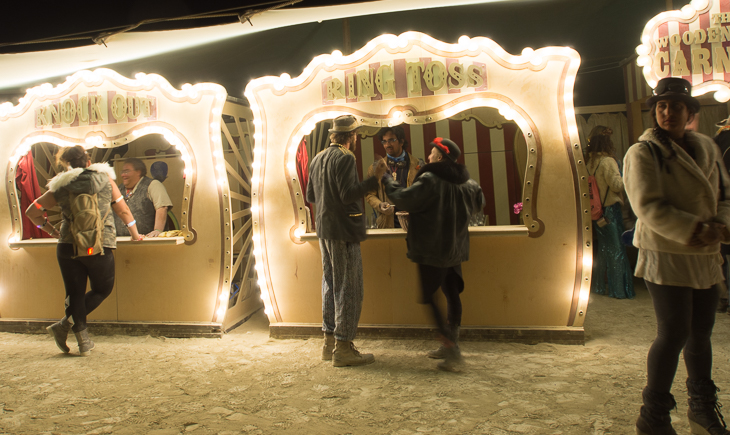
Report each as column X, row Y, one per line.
column 603, row 31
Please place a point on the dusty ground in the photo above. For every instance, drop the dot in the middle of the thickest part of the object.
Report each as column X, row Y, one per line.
column 247, row 383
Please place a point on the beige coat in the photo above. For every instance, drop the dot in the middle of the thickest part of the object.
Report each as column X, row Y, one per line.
column 669, row 206
column 375, row 197
column 608, row 178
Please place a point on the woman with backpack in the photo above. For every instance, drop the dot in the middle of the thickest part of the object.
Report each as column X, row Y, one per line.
column 79, row 264
column 611, row 269
column 676, row 183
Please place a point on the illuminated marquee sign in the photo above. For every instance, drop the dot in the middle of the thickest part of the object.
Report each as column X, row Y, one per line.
column 693, row 43
column 404, row 78
column 95, row 109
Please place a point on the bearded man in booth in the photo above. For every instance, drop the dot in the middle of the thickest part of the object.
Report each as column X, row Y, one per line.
column 402, row 168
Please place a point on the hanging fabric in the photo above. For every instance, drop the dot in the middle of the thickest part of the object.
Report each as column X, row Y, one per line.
column 303, row 173
column 29, row 190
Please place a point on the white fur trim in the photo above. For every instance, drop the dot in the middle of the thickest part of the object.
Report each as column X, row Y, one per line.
column 104, row 167
column 64, row 179
column 67, row 177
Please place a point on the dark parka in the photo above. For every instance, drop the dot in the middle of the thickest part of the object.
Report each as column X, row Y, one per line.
column 336, row 190
column 440, row 202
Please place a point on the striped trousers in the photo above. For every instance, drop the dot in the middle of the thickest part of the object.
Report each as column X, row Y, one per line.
column 342, row 288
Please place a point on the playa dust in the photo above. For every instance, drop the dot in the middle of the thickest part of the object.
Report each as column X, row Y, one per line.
column 248, row 383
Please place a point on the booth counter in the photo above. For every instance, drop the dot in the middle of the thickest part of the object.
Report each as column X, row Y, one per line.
column 528, row 276
column 188, row 280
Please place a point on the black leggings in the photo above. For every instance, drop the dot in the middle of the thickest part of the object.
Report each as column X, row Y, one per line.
column 685, row 317
column 98, row 270
column 451, row 283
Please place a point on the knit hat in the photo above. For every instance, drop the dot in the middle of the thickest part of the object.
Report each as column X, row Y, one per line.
column 447, row 148
column 344, row 124
column 674, row 88
column 158, row 170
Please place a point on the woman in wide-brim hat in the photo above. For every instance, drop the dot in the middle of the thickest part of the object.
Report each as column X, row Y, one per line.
column 676, row 183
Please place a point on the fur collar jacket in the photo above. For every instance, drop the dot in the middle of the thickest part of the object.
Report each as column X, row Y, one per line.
column 672, row 192
column 64, row 179
column 440, row 202
column 456, row 174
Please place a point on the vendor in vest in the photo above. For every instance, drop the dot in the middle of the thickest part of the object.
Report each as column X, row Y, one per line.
column 402, row 167
column 147, row 199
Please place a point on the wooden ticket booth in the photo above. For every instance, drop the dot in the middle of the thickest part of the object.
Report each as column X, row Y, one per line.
column 528, row 277
column 198, row 282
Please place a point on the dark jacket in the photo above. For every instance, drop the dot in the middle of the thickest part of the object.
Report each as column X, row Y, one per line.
column 440, row 203
column 335, row 189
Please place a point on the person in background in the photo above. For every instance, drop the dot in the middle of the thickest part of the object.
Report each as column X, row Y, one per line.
column 82, row 177
column 158, row 170
column 611, row 270
column 440, row 204
column 147, row 198
column 336, row 191
column 722, row 139
column 401, row 166
column 676, row 182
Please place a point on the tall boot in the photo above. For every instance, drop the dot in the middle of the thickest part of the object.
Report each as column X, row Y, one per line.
column 59, row 332
column 346, row 355
column 329, row 346
column 654, row 418
column 704, row 409
column 85, row 343
column 440, row 353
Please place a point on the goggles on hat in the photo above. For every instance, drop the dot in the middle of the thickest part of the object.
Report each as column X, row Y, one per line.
column 671, row 87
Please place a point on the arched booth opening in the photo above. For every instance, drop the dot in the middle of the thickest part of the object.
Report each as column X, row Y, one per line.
column 528, row 276
column 196, row 279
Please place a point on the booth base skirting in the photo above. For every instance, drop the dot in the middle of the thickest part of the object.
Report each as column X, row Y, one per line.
column 154, row 329
column 525, row 335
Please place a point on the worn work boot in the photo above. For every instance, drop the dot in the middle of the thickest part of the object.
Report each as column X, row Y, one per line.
column 704, row 409
column 654, row 418
column 85, row 344
column 452, row 359
column 346, row 355
column 440, row 353
column 59, row 332
column 329, row 347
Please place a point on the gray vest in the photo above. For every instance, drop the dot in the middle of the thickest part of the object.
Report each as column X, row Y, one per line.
column 141, row 207
column 104, row 197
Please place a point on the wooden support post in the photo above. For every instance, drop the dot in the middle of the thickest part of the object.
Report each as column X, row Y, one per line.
column 346, row 43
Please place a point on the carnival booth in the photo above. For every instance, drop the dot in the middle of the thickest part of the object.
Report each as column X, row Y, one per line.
column 196, row 281
column 528, row 276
